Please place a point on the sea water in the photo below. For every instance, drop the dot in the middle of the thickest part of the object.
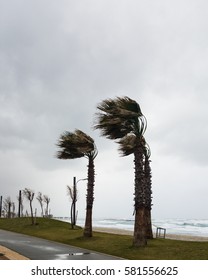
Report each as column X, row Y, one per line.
column 195, row 227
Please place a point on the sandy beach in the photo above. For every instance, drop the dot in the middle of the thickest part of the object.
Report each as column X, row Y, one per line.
column 168, row 236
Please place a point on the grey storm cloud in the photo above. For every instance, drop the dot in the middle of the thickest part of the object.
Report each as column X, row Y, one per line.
column 59, row 60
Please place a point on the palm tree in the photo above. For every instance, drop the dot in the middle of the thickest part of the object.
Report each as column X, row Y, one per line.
column 127, row 145
column 77, row 145
column 121, row 118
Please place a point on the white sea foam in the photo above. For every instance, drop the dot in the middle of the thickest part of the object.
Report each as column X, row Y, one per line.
column 173, row 226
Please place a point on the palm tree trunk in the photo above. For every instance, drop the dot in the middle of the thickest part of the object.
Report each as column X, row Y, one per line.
column 90, row 198
column 148, row 197
column 149, row 233
column 140, row 228
column 88, row 223
column 140, row 224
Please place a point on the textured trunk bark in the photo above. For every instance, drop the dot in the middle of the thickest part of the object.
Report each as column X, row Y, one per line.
column 140, row 225
column 149, row 233
column 148, row 196
column 90, row 198
column 140, row 228
column 88, row 223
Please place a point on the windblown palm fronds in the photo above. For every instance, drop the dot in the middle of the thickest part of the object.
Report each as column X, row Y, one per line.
column 77, row 145
column 121, row 119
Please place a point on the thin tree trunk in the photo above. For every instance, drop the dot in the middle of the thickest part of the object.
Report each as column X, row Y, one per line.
column 71, row 212
column 32, row 218
column 42, row 212
column 9, row 210
column 90, row 198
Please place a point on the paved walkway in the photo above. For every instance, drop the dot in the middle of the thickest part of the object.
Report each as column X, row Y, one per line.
column 40, row 249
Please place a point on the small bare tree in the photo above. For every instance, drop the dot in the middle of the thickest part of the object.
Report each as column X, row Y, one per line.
column 72, row 193
column 47, row 201
column 13, row 210
column 40, row 198
column 7, row 205
column 29, row 194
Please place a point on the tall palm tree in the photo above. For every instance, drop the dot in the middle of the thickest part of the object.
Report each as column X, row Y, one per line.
column 121, row 119
column 127, row 146
column 77, row 145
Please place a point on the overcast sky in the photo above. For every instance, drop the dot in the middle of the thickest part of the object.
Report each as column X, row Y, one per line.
column 59, row 59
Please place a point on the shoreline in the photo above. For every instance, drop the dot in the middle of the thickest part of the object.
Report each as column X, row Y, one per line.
column 181, row 237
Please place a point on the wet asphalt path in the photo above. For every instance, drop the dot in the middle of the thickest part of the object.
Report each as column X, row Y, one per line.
column 40, row 249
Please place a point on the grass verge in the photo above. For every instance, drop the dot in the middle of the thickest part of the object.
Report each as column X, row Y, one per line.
column 113, row 244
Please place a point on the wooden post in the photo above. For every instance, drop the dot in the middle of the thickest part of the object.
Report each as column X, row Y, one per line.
column 0, row 205
column 20, row 203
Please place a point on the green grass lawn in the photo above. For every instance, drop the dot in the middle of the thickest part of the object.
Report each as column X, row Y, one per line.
column 113, row 244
